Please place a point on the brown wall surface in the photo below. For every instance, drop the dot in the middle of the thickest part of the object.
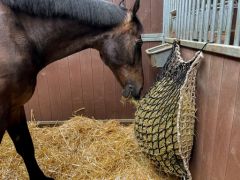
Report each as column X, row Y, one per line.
column 83, row 81
column 216, row 154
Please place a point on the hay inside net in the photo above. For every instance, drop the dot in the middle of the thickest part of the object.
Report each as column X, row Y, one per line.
column 165, row 117
column 81, row 148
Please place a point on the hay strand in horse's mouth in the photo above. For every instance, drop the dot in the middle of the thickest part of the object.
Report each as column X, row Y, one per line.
column 81, row 148
column 132, row 101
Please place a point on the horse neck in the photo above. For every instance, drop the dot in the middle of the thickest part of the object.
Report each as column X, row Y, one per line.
column 58, row 38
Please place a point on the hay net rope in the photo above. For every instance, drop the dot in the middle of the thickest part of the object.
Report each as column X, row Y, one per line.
column 164, row 120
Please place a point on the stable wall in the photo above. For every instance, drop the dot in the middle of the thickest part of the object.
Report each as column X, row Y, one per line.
column 216, row 153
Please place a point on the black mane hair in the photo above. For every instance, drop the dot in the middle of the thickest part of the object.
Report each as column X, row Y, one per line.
column 99, row 13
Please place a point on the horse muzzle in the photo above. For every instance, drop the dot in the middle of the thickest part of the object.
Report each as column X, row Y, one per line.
column 130, row 91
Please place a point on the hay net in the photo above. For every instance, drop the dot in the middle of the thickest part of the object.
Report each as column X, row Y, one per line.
column 164, row 120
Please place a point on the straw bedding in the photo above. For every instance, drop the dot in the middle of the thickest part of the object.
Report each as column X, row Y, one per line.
column 81, row 148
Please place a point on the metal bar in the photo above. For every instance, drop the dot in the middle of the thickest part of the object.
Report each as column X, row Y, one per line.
column 181, row 19
column 237, row 30
column 188, row 19
column 206, row 26
column 185, row 19
column 192, row 19
column 178, row 18
column 233, row 51
column 168, row 19
column 195, row 34
column 164, row 19
column 152, row 37
column 201, row 23
column 220, row 21
column 229, row 22
column 212, row 33
column 170, row 4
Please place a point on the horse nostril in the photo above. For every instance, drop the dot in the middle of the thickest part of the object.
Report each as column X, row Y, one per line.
column 130, row 87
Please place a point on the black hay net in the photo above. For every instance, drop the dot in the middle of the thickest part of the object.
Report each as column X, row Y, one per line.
column 164, row 120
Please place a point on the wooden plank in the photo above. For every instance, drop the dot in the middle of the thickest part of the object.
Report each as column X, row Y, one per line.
column 111, row 99
column 203, row 87
column 225, row 119
column 76, row 83
column 119, row 107
column 65, row 88
column 43, row 96
column 87, row 84
column 98, row 87
column 27, row 111
column 202, row 91
column 34, row 107
column 210, row 121
column 233, row 165
column 156, row 15
column 54, row 91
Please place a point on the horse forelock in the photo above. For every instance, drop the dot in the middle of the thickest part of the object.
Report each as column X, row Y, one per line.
column 90, row 12
column 130, row 24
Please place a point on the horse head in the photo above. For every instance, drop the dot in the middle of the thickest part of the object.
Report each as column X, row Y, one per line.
column 121, row 51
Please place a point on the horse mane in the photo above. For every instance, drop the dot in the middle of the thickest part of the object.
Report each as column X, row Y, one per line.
column 90, row 12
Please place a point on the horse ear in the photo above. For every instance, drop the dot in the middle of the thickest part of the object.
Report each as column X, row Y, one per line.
column 136, row 8
column 122, row 5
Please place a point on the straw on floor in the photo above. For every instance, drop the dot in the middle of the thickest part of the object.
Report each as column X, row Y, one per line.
column 81, row 148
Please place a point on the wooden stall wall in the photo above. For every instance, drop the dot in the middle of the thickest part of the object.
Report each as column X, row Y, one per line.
column 216, row 154
column 82, row 83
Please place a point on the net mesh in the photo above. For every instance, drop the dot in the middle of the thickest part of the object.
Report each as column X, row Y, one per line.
column 164, row 120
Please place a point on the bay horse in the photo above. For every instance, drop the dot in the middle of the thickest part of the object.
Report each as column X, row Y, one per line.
column 35, row 33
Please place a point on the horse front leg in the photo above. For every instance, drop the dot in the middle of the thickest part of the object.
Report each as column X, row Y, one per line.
column 22, row 140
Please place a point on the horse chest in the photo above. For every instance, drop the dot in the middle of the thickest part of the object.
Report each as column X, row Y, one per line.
column 17, row 80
